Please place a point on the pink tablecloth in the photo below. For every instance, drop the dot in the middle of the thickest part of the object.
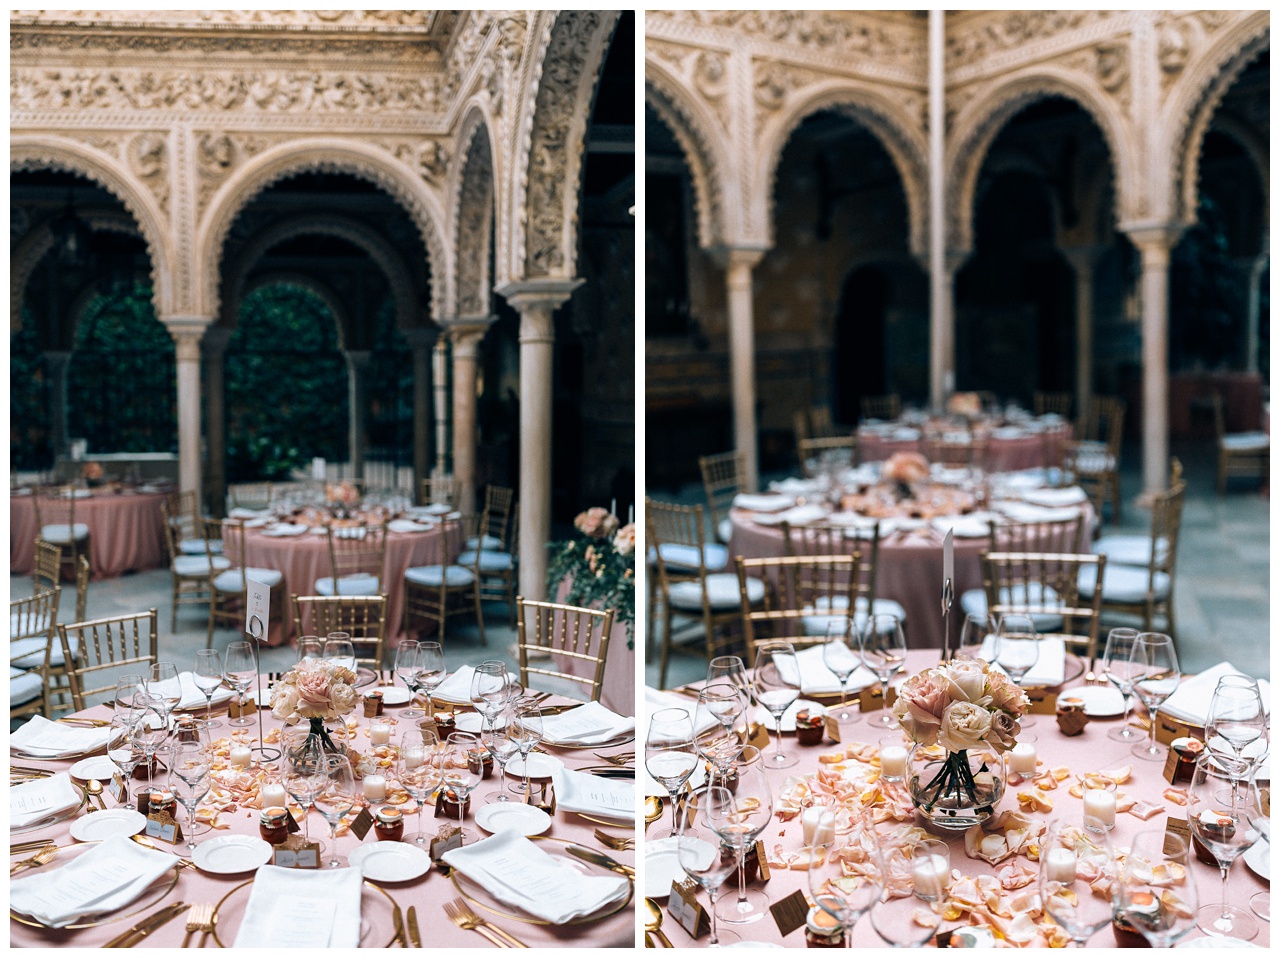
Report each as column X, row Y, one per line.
column 1003, row 455
column 126, row 532
column 618, row 691
column 1089, row 752
column 428, row 893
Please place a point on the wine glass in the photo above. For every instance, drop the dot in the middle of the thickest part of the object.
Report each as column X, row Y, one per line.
column 884, row 652
column 1118, row 668
column 240, row 668
column 526, row 728
column 408, row 669
column 910, row 921
column 846, row 902
column 979, row 638
column 670, row 755
column 189, row 782
column 339, row 650
column 1161, row 911
column 1019, row 650
column 459, row 777
column 724, row 705
column 1237, row 720
column 751, row 814
column 1064, row 891
column 417, row 772
column 431, row 670
column 128, row 688
column 489, row 689
column 840, row 659
column 1220, row 823
column 731, row 669
column 124, row 753
column 310, row 649
column 335, row 796
column 300, row 773
column 1258, row 810
column 699, row 853
column 503, row 743
column 1155, row 678
column 163, row 684
column 777, row 685
column 148, row 732
column 208, row 676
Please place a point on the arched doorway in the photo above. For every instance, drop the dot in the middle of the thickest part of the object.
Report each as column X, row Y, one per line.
column 858, row 366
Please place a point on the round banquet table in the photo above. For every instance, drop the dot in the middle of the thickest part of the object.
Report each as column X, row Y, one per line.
column 126, row 532
column 429, row 893
column 1004, row 454
column 1091, row 751
column 304, row 559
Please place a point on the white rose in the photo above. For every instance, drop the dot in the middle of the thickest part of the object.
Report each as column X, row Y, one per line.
column 284, row 704
column 966, row 680
column 964, row 726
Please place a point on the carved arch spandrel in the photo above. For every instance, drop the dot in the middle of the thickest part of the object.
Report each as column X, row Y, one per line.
column 37, row 152
column 474, row 206
column 321, row 155
column 984, row 116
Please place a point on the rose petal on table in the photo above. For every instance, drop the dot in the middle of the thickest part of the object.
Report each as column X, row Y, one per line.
column 1124, row 803
column 1031, row 802
column 1144, row 810
column 1046, row 782
column 1176, row 795
column 1016, row 874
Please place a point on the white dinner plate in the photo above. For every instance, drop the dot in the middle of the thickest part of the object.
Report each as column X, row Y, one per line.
column 231, row 854
column 390, row 861
column 99, row 767
column 473, row 722
column 1099, row 701
column 765, row 717
column 1213, row 941
column 513, row 817
column 661, row 867
column 395, row 695
column 1258, row 858
column 102, row 825
column 540, row 766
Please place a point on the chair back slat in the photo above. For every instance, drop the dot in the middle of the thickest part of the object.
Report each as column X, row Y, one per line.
column 107, row 647
column 364, row 617
column 568, row 632
column 357, row 550
column 1047, row 583
column 818, row 588
column 723, row 477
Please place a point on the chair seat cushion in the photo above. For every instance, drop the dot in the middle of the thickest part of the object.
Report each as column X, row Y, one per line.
column 1246, row 441
column 24, row 686
column 489, row 561
column 722, row 593
column 1094, row 464
column 455, row 576
column 199, row 565
column 1131, row 550
column 360, row 583
column 974, row 602
column 196, row 547
column 229, row 581
column 60, row 534
column 724, row 530
column 29, row 653
column 1123, row 584
column 487, row 543
column 828, row 611
column 685, row 558
column 24, row 625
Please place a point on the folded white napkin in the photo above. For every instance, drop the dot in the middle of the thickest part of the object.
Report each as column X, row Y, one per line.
column 258, row 523
column 594, row 795
column 803, row 515
column 407, row 525
column 1050, row 669
column 192, row 697
column 858, row 475
column 947, row 475
column 302, row 908
column 1190, row 703
column 433, row 509
column 41, row 738
column 1070, row 496
column 1024, row 479
column 794, row 486
column 964, row 527
column 655, row 700
column 240, row 512
column 588, row 725
column 456, row 688
column 516, row 872
column 32, row 801
column 1007, row 432
column 755, row 503
column 287, row 529
column 102, row 880
column 817, row 679
column 1025, row 512
column 906, row 434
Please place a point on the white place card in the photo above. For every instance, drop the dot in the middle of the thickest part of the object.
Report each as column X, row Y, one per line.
column 257, row 608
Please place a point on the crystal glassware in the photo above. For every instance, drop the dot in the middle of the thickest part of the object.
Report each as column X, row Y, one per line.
column 163, row 684
column 124, row 752
column 840, row 656
column 699, row 852
column 777, row 685
column 1019, row 644
column 723, row 705
column 1161, row 910
column 670, row 756
column 408, row 670
column 844, row 901
column 1069, row 856
column 1236, row 733
column 1221, row 824
column 458, row 776
column 752, row 812
column 503, row 743
column 240, row 670
column 335, row 795
column 979, row 634
column 884, row 651
column 431, row 670
column 1155, row 678
column 1118, row 667
column 189, row 781
column 417, row 771
column 526, row 728
column 489, row 689
column 207, row 675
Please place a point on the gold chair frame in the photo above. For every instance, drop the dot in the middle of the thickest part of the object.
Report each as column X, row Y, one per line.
column 824, row 448
column 439, row 489
column 131, row 637
column 62, row 498
column 1102, row 423
column 188, row 588
column 571, row 631
column 1059, row 403
column 1166, row 526
column 1028, row 571
column 724, row 475
column 47, row 573
column 363, row 617
column 357, row 554
column 250, row 495
column 440, row 603
column 30, row 618
column 887, row 407
column 792, row 585
column 1252, row 461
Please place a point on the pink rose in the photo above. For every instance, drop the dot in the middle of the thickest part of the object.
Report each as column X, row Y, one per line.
column 313, row 694
column 921, row 702
column 905, row 467
column 966, row 680
column 1003, row 734
column 964, row 726
column 624, row 543
column 1005, row 695
column 596, row 522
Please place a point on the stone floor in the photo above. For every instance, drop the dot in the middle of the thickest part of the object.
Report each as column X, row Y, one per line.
column 1222, row 593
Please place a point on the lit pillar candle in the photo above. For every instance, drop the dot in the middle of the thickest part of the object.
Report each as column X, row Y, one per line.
column 893, row 762
column 816, row 831
column 1023, row 759
column 929, row 875
column 380, row 734
column 241, row 756
column 414, row 757
column 375, row 788
column 1099, row 808
column 1060, row 865
column 273, row 795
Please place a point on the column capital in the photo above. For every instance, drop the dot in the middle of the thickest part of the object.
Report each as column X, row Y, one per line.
column 538, row 294
column 1153, row 240
column 187, row 332
column 738, row 257
column 466, row 332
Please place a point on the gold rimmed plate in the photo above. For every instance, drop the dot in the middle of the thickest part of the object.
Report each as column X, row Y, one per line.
column 1072, row 669
column 376, row 909
column 611, row 743
column 611, row 822
column 56, row 817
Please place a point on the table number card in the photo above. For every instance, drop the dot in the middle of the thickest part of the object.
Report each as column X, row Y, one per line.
column 948, row 587
column 686, row 909
column 1179, row 827
column 235, row 710
column 759, row 736
column 116, row 787
column 790, row 913
column 447, row 838
column 295, row 853
column 162, row 827
column 1043, row 702
column 361, row 824
column 257, row 608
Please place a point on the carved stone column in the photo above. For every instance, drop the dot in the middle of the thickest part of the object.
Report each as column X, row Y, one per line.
column 466, row 335
column 357, row 393
column 738, row 262
column 440, row 388
column 1083, row 260
column 55, row 364
column 942, row 361
column 1154, row 243
column 422, row 341
column 187, row 331
column 1252, row 272
column 536, row 301
column 215, row 351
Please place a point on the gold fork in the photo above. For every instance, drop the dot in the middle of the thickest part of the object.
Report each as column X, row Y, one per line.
column 471, row 923
column 207, row 926
column 463, row 909
column 197, row 915
column 42, row 857
column 620, row 759
column 616, row 842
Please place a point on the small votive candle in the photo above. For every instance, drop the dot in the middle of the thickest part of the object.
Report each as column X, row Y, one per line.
column 930, row 868
column 1099, row 809
column 241, row 756
column 273, row 795
column 414, row 757
column 1060, row 865
column 379, row 734
column 1023, row 759
column 816, row 830
column 893, row 759
column 375, row 788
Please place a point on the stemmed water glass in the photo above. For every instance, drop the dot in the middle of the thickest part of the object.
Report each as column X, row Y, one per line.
column 310, row 649
column 909, row 922
column 1160, row 911
column 489, row 691
column 884, row 651
column 339, row 650
column 699, row 853
column 240, row 668
column 431, row 670
column 458, row 776
column 1258, row 809
column 526, row 729
column 670, row 755
column 163, row 684
column 1237, row 720
column 417, row 772
column 208, row 676
column 731, row 669
column 751, row 814
column 503, row 743
column 846, row 902
column 777, row 685
column 1155, row 678
column 335, row 796
column 148, row 732
column 189, row 782
column 1118, row 667
column 408, row 669
column 841, row 659
column 124, row 752
column 1220, row 822
column 1065, row 893
column 1019, row 650
column 979, row 638
column 300, row 773
column 724, row 705
column 128, row 688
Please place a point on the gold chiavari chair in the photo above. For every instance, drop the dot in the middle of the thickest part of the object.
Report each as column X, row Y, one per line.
column 56, row 519
column 1042, row 584
column 831, row 451
column 230, row 587
column 48, row 569
column 1057, row 403
column 887, row 407
column 835, row 540
column 568, row 632
column 182, row 512
column 496, row 568
column 1094, row 459
column 82, row 587
column 357, row 557
column 492, row 537
column 821, row 425
column 103, row 648
column 363, row 617
column 1239, row 453
column 445, row 590
column 34, row 653
column 192, row 573
column 440, row 490
column 960, row 449
column 250, row 495
column 803, row 598
column 724, row 475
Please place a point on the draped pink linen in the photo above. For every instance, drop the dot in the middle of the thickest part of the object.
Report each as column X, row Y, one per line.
column 126, row 532
column 1003, row 455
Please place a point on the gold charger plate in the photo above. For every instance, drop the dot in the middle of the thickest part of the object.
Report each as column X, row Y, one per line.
column 467, row 892
column 56, row 817
column 157, row 893
column 611, row 822
column 1072, row 669
column 612, row 743
column 374, row 924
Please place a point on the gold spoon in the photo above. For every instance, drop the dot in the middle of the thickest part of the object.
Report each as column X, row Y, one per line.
column 94, row 787
column 654, row 922
column 652, row 810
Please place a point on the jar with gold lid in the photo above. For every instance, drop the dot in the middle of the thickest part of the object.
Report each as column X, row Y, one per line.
column 388, row 824
column 273, row 825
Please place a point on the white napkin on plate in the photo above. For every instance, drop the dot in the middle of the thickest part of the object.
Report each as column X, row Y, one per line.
column 456, row 688
column 34, row 800
column 1190, row 703
column 593, row 794
column 964, row 527
column 101, row 880
column 655, row 700
column 754, row 503
column 1025, row 512
column 817, row 679
column 192, row 697
column 1056, row 498
column 302, row 908
column 41, row 738
column 794, row 485
column 432, row 509
column 258, row 523
column 803, row 515
column 240, row 512
column 1050, row 669
column 589, row 724
column 288, row 529
column 516, row 872
column 407, row 525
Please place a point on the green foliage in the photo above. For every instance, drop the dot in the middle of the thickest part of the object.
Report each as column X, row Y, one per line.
column 599, row 575
column 28, row 400
column 1207, row 298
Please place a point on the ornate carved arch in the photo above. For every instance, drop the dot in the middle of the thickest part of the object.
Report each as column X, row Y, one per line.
column 1196, row 97
column 331, row 300
column 42, row 152
column 474, row 201
column 982, row 119
column 889, row 122
column 549, row 157
column 323, row 155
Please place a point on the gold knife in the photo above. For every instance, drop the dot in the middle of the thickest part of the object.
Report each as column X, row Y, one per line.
column 142, row 929
column 604, row 861
column 412, row 920
column 397, row 920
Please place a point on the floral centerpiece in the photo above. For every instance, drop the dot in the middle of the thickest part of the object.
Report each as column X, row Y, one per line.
column 903, row 468
column 950, row 711
column 92, row 473
column 317, row 691
column 968, row 404
column 599, row 564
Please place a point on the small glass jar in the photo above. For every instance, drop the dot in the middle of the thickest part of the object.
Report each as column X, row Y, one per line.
column 1126, row 935
column 388, row 824
column 822, row 931
column 161, row 800
column 480, row 762
column 372, row 704
column 273, row 825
